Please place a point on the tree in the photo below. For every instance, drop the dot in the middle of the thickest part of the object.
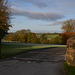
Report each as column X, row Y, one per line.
column 10, row 37
column 66, row 36
column 69, row 26
column 23, row 38
column 43, row 39
column 4, row 19
column 23, row 31
column 58, row 40
column 32, row 38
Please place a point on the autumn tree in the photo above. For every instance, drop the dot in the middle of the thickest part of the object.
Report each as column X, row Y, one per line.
column 21, row 35
column 4, row 19
column 69, row 26
column 23, row 31
column 66, row 36
column 43, row 39
column 32, row 38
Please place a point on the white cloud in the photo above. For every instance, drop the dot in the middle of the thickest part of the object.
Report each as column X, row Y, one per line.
column 53, row 24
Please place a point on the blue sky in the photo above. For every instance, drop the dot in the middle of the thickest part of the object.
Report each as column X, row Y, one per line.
column 41, row 15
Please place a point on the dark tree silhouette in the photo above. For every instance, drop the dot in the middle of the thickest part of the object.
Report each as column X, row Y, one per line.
column 4, row 19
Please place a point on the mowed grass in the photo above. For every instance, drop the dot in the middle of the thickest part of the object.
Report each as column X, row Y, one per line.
column 49, row 37
column 13, row 49
column 69, row 69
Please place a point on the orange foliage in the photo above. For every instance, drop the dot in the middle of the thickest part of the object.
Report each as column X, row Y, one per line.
column 65, row 36
column 11, row 37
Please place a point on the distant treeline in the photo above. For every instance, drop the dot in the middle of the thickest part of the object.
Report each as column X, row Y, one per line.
column 27, row 36
column 39, row 34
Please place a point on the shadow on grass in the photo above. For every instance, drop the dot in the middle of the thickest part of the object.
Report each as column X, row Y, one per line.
column 13, row 49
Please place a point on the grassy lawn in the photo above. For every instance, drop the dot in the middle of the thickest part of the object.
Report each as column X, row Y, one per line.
column 13, row 49
column 49, row 37
column 69, row 69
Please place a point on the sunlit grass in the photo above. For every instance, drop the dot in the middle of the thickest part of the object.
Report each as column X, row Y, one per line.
column 13, row 49
column 49, row 37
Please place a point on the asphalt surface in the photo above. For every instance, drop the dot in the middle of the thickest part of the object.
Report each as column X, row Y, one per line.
column 38, row 62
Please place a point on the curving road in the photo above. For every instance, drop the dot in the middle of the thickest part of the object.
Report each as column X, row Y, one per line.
column 38, row 62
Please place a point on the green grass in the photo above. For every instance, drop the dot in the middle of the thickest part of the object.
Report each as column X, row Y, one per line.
column 49, row 37
column 69, row 69
column 13, row 49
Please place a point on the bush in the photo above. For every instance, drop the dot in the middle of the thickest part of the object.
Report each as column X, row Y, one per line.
column 43, row 39
column 56, row 40
column 66, row 36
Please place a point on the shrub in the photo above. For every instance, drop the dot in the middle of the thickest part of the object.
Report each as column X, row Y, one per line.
column 56, row 40
column 66, row 36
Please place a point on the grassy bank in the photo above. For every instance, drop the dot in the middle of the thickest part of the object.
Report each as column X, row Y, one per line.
column 69, row 69
column 13, row 49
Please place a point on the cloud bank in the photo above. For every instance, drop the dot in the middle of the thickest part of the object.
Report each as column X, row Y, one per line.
column 47, row 16
column 56, row 23
column 53, row 24
column 38, row 3
column 48, row 3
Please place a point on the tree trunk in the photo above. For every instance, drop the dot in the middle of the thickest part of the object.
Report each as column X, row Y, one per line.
column 0, row 47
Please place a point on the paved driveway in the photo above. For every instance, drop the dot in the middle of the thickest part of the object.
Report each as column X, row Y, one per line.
column 38, row 62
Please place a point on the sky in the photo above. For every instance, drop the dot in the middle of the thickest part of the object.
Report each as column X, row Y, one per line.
column 41, row 15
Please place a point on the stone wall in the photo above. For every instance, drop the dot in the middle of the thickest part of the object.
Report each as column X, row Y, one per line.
column 70, row 54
